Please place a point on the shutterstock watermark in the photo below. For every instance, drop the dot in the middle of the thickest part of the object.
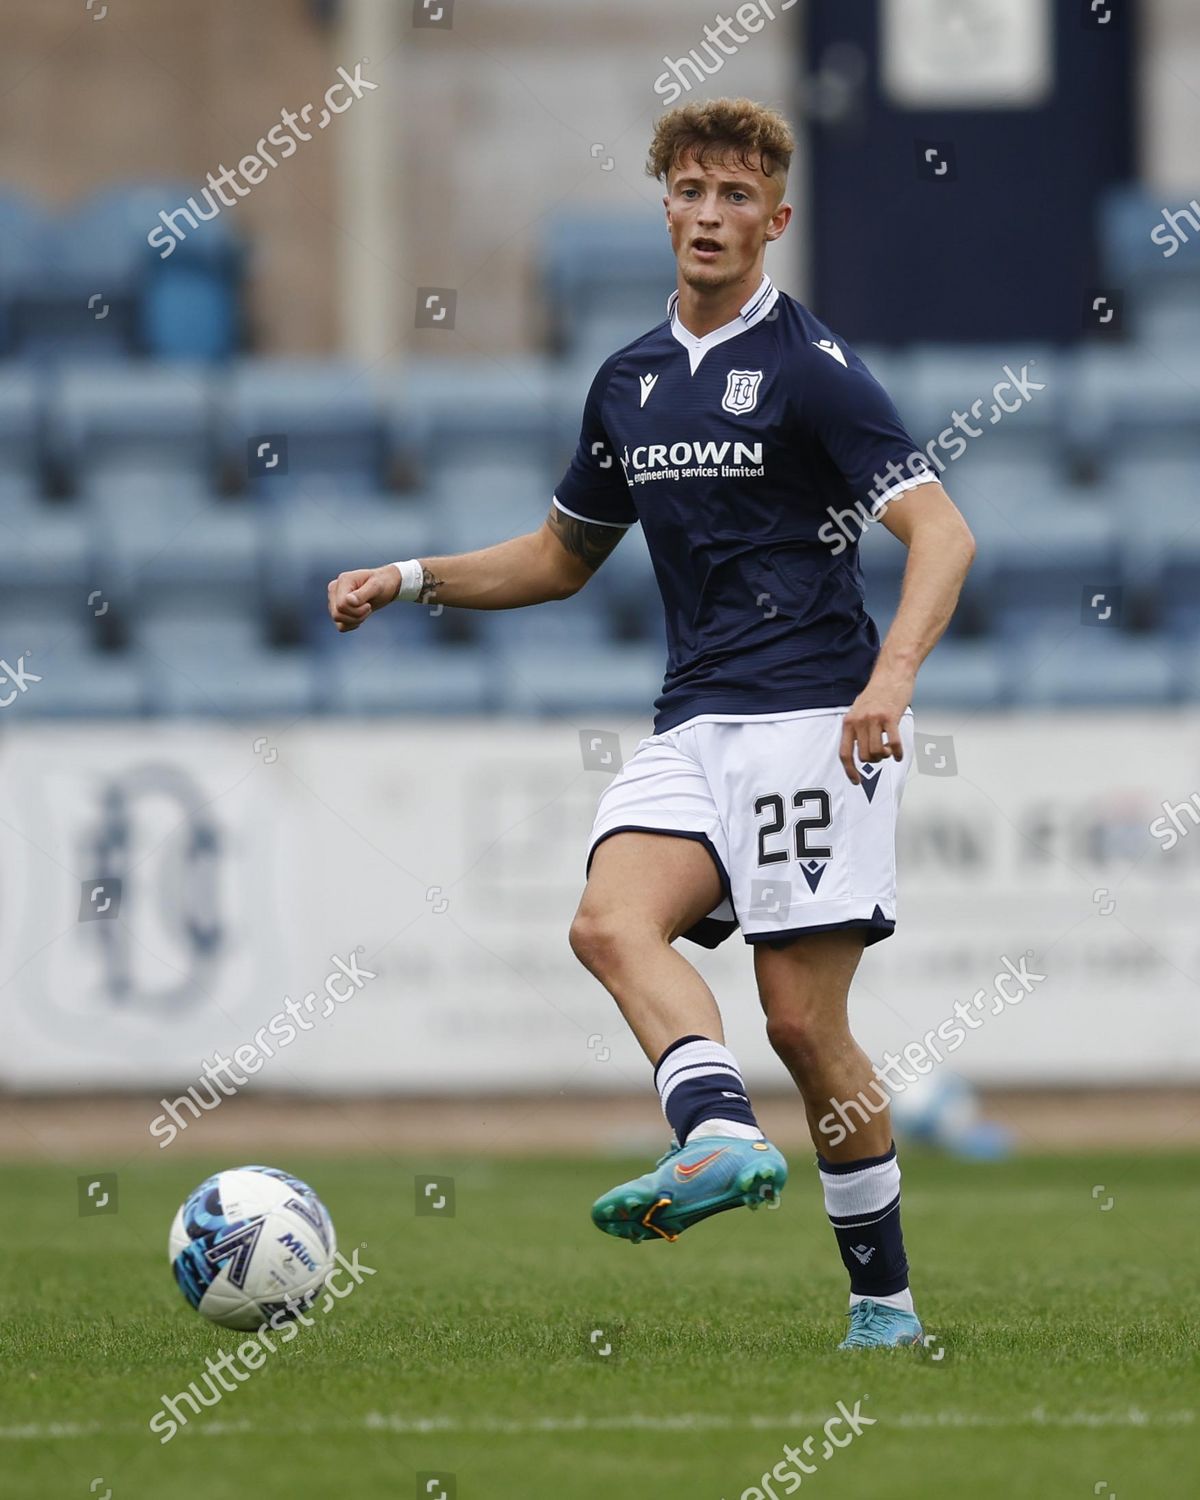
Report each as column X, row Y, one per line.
column 721, row 41
column 19, row 676
column 251, row 1353
column 284, row 1026
column 1170, row 234
column 789, row 1471
column 893, row 1078
column 253, row 168
column 1168, row 829
column 846, row 526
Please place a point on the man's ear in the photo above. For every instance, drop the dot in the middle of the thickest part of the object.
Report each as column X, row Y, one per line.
column 779, row 221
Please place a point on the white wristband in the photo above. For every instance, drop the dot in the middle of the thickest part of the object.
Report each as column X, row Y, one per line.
column 412, row 577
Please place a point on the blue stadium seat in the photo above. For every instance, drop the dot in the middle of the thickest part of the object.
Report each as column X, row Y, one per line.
column 1175, row 589
column 495, row 413
column 1166, row 317
column 603, row 330
column 452, row 680
column 964, row 674
column 622, row 265
column 188, row 302
column 580, row 681
column 1187, row 671
column 1036, row 556
column 25, row 230
column 83, row 684
column 150, row 421
column 43, row 549
column 475, row 503
column 1156, row 511
column 198, row 551
column 212, row 661
column 579, row 621
column 258, row 684
column 1080, row 667
column 940, row 382
column 331, row 415
column 1127, row 215
column 53, row 639
column 1129, row 401
column 100, row 289
column 21, row 400
column 1162, row 289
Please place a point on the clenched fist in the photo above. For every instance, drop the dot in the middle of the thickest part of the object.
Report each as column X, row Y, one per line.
column 354, row 595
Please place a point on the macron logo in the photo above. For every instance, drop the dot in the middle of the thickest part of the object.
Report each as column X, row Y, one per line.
column 647, row 383
column 832, row 350
column 862, row 1253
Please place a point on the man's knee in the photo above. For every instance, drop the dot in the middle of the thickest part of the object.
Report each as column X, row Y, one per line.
column 800, row 1038
column 596, row 939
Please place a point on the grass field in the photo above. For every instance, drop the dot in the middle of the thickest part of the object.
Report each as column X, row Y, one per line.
column 1065, row 1360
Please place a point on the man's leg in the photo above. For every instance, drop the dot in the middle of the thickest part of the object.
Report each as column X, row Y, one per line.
column 643, row 891
column 804, row 987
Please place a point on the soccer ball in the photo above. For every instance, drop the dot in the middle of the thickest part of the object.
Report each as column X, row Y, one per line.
column 250, row 1242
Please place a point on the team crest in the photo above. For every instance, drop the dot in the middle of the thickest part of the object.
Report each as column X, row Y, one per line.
column 741, row 391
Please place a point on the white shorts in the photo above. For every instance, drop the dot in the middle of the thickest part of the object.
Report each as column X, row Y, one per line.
column 798, row 847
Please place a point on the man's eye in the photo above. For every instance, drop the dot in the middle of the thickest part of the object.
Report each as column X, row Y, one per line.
column 739, row 197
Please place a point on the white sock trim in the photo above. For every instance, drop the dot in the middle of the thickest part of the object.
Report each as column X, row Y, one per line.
column 902, row 1299
column 864, row 1193
column 709, row 1060
column 694, row 1059
column 736, row 1130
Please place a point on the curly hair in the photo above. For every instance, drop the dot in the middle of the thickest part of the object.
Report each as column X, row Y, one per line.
column 722, row 129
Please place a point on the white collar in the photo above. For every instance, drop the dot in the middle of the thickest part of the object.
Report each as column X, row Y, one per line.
column 752, row 312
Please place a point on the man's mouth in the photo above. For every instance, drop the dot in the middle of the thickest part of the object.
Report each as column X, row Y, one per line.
column 704, row 246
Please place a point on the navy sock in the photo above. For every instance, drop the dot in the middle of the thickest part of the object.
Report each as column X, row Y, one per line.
column 862, row 1199
column 698, row 1080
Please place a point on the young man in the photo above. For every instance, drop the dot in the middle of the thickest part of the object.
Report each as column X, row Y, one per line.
column 767, row 795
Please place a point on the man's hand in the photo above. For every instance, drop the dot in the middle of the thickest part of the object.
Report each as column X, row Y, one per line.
column 355, row 595
column 873, row 722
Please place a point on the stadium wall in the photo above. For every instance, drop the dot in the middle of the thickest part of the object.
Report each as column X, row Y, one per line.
column 167, row 888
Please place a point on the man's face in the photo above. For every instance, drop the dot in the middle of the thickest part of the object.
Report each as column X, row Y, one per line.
column 720, row 217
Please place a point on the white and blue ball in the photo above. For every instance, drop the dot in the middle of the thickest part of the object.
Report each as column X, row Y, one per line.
column 249, row 1242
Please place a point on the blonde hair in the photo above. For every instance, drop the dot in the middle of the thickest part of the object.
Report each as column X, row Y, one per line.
column 721, row 129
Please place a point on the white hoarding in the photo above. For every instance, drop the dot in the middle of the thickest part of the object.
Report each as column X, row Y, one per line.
column 446, row 860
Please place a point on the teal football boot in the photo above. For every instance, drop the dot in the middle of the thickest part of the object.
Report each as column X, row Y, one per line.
column 874, row 1325
column 691, row 1183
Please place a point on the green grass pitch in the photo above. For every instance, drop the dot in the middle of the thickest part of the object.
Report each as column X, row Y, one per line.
column 1065, row 1361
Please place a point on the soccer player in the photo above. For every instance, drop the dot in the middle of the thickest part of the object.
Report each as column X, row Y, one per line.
column 741, row 433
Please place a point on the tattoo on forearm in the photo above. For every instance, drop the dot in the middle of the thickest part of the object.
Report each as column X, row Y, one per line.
column 584, row 539
column 429, row 586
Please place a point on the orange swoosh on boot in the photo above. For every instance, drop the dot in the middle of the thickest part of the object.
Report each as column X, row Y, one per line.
column 684, row 1173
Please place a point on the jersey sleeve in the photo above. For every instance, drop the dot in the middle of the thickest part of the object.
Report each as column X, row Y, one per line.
column 856, row 422
column 593, row 488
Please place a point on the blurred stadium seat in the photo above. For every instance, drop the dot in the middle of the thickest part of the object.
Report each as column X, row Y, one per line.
column 1164, row 289
column 145, row 453
column 86, row 284
column 1080, row 668
column 604, row 277
column 330, row 414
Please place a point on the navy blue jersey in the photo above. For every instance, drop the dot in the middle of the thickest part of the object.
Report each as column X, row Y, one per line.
column 738, row 452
